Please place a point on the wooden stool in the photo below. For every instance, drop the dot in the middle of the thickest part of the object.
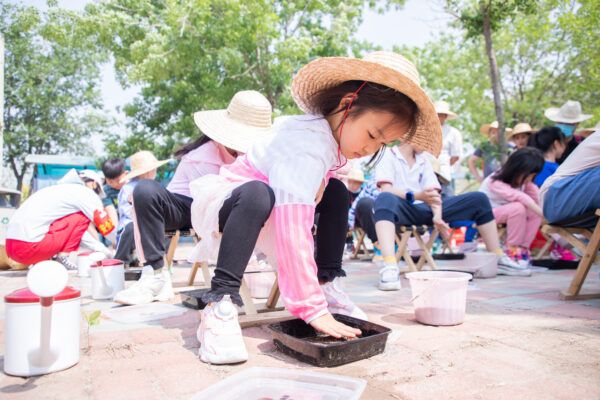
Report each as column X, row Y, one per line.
column 360, row 242
column 590, row 253
column 269, row 312
column 404, row 233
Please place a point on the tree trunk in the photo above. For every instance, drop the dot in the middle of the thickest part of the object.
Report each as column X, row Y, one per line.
column 495, row 78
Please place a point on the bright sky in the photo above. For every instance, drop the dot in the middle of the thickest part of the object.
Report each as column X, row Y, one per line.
column 415, row 24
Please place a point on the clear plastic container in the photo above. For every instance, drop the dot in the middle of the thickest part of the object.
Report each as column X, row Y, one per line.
column 439, row 297
column 262, row 383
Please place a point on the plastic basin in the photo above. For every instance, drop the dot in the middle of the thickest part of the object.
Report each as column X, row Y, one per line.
column 439, row 297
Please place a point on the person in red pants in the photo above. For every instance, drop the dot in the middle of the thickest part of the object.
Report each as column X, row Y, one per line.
column 55, row 220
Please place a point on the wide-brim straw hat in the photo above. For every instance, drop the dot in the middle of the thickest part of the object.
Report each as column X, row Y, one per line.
column 385, row 68
column 485, row 128
column 442, row 107
column 568, row 113
column 521, row 127
column 142, row 162
column 248, row 118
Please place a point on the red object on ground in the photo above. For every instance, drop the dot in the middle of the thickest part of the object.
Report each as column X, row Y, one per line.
column 26, row 296
column 64, row 235
column 458, row 235
column 539, row 241
column 111, row 262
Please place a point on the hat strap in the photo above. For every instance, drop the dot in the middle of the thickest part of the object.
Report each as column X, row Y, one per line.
column 354, row 97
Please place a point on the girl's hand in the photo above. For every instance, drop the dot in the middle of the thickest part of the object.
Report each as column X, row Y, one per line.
column 442, row 226
column 328, row 325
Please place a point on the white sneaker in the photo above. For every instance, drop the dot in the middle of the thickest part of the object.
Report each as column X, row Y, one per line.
column 148, row 288
column 338, row 302
column 507, row 266
column 389, row 277
column 220, row 334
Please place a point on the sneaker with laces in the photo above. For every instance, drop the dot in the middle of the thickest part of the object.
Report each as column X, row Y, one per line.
column 508, row 266
column 389, row 277
column 150, row 287
column 64, row 260
column 220, row 334
column 338, row 302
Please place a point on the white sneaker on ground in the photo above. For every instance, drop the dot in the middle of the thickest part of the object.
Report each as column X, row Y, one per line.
column 220, row 334
column 507, row 266
column 150, row 287
column 389, row 277
column 338, row 302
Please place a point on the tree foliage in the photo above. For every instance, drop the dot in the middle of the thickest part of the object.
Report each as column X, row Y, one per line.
column 195, row 54
column 51, row 84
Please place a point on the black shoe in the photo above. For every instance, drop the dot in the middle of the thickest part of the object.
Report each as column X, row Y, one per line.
column 66, row 263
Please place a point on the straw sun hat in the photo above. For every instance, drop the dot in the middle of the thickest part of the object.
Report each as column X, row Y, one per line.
column 485, row 128
column 442, row 107
column 521, row 127
column 385, row 68
column 142, row 162
column 568, row 113
column 246, row 119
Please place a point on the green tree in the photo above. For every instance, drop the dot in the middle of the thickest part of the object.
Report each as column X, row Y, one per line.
column 195, row 54
column 51, row 85
column 481, row 18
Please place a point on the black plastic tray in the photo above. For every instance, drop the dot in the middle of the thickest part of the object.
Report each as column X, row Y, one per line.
column 133, row 274
column 294, row 337
column 555, row 264
column 193, row 298
column 449, row 256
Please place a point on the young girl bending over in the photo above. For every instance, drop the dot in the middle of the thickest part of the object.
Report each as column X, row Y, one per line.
column 268, row 198
column 410, row 195
column 515, row 199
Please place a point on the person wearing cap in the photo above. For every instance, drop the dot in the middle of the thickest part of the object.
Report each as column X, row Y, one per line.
column 144, row 165
column 226, row 134
column 58, row 219
column 566, row 118
column 267, row 199
column 487, row 152
column 518, row 137
column 452, row 145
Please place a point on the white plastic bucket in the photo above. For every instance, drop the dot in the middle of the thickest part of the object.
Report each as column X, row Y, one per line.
column 85, row 260
column 108, row 278
column 439, row 297
column 483, row 265
column 39, row 340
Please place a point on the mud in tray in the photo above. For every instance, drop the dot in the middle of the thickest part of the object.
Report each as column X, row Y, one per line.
column 193, row 298
column 301, row 341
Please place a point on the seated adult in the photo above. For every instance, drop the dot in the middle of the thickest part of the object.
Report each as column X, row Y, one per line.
column 227, row 133
column 58, row 219
column 574, row 189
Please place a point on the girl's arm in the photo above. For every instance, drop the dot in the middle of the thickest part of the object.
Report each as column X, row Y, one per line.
column 511, row 194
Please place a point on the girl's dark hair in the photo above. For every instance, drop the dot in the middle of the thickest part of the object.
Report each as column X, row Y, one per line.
column 544, row 139
column 186, row 148
column 520, row 164
column 95, row 189
column 372, row 96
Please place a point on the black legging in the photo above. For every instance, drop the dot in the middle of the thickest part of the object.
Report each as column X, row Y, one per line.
column 244, row 214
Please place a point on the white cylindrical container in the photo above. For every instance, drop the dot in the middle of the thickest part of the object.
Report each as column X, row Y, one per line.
column 108, row 278
column 85, row 260
column 32, row 349
column 439, row 297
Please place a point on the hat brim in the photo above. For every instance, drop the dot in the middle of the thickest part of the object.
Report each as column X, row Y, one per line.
column 327, row 72
column 141, row 171
column 553, row 114
column 217, row 125
column 450, row 114
column 511, row 133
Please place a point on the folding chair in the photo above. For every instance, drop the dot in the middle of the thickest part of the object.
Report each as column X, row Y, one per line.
column 568, row 230
column 258, row 314
column 175, row 236
column 404, row 233
column 360, row 242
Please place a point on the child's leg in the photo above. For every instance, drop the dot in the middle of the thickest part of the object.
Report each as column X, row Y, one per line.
column 531, row 227
column 126, row 244
column 514, row 216
column 364, row 217
column 240, row 220
column 331, row 230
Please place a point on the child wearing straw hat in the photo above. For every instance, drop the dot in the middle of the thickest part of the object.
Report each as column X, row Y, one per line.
column 268, row 198
column 567, row 118
column 144, row 165
column 226, row 134
column 519, row 135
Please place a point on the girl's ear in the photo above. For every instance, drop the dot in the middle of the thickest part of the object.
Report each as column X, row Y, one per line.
column 346, row 100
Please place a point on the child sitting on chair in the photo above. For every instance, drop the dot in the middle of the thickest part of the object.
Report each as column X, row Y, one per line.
column 411, row 195
column 515, row 200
